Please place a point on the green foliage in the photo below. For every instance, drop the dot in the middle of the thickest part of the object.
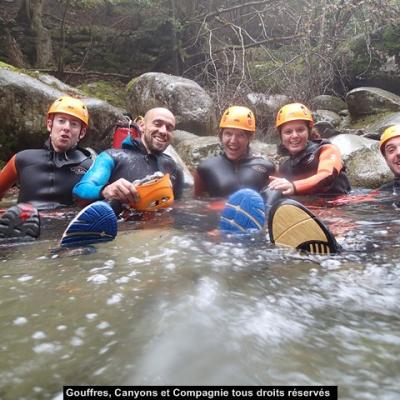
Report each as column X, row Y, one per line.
column 390, row 40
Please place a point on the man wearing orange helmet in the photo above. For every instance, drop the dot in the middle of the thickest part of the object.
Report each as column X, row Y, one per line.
column 390, row 148
column 314, row 166
column 46, row 176
column 236, row 167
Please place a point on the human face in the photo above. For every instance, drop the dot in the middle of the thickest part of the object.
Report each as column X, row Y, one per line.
column 392, row 155
column 235, row 143
column 158, row 126
column 65, row 131
column 294, row 136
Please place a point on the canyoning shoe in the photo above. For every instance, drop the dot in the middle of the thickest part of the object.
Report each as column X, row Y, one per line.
column 293, row 225
column 94, row 224
column 243, row 213
column 20, row 221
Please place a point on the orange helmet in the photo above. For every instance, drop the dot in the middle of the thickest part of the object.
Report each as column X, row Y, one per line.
column 71, row 106
column 294, row 112
column 238, row 117
column 155, row 192
column 389, row 133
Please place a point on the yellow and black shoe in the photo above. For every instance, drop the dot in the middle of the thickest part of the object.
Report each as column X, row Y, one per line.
column 293, row 225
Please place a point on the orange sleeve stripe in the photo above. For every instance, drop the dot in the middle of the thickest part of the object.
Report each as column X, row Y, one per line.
column 330, row 164
column 8, row 176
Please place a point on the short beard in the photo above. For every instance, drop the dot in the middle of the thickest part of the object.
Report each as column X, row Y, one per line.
column 149, row 148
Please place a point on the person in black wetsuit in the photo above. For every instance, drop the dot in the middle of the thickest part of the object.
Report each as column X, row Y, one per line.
column 236, row 168
column 47, row 176
column 114, row 170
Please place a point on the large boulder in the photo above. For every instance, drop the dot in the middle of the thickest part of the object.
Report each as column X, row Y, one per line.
column 327, row 102
column 266, row 106
column 187, row 176
column 180, row 136
column 24, row 102
column 191, row 105
column 327, row 116
column 192, row 151
column 370, row 126
column 369, row 100
column 365, row 166
column 377, row 127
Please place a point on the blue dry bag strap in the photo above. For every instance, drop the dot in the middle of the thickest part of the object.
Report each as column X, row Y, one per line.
column 93, row 182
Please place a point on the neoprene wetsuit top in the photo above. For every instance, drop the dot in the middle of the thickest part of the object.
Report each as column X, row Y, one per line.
column 392, row 186
column 130, row 162
column 318, row 169
column 45, row 176
column 220, row 177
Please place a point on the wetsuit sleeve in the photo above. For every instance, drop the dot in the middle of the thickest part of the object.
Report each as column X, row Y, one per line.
column 93, row 182
column 8, row 176
column 177, row 182
column 200, row 188
column 329, row 166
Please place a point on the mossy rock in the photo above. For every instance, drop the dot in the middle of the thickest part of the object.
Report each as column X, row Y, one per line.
column 112, row 92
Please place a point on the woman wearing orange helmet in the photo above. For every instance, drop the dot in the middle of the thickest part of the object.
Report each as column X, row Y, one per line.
column 236, row 167
column 47, row 176
column 314, row 166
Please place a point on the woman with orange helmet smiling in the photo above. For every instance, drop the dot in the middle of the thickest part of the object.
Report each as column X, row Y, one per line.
column 314, row 166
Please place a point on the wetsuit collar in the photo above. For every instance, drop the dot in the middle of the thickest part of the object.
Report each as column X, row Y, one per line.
column 241, row 160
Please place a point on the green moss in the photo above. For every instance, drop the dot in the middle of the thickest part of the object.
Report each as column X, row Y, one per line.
column 111, row 91
column 7, row 66
column 131, row 83
column 363, row 122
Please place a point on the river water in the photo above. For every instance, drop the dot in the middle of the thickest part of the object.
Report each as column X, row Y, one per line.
column 168, row 303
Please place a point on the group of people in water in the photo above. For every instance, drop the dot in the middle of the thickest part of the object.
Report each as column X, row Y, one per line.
column 63, row 174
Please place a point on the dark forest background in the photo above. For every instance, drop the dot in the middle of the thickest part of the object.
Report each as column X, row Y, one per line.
column 301, row 48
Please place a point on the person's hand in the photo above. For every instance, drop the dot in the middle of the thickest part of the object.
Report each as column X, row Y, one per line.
column 282, row 185
column 121, row 190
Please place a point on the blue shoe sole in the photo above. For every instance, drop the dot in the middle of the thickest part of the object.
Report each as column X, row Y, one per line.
column 244, row 212
column 96, row 223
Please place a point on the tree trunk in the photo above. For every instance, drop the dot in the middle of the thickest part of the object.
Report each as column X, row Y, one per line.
column 42, row 38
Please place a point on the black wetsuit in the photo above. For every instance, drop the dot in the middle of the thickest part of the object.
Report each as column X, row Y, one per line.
column 131, row 162
column 46, row 176
column 392, row 186
column 220, row 177
column 299, row 167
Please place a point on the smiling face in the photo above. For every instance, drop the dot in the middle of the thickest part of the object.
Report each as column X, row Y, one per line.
column 65, row 131
column 158, row 127
column 294, row 136
column 235, row 143
column 392, row 155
